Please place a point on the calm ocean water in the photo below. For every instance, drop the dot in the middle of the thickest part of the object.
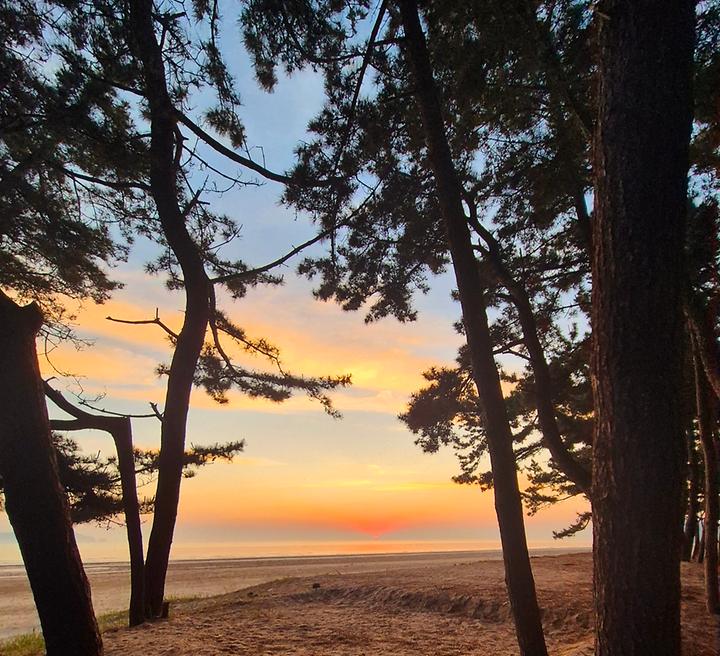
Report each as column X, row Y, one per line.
column 100, row 557
column 116, row 552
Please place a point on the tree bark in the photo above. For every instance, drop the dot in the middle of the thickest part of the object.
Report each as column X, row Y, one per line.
column 707, row 416
column 508, row 504
column 35, row 501
column 641, row 168
column 120, row 430
column 163, row 183
column 122, row 435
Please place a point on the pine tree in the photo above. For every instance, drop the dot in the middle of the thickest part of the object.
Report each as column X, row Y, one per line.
column 50, row 245
column 154, row 59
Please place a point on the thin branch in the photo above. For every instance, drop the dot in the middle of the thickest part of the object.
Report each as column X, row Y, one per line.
column 85, row 419
column 252, row 273
column 139, row 322
column 231, row 154
column 307, row 55
column 229, row 178
column 61, row 402
column 329, row 232
column 361, row 76
column 156, row 412
column 112, row 413
column 105, row 183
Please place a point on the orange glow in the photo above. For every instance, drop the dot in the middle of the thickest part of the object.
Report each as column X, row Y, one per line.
column 290, row 476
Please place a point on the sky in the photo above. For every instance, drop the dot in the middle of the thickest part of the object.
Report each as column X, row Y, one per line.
column 305, row 483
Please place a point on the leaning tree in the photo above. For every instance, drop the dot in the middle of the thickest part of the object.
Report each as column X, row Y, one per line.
column 51, row 248
column 157, row 58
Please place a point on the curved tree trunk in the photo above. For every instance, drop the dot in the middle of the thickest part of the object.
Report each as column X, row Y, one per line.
column 706, row 402
column 542, row 387
column 641, row 168
column 120, row 429
column 34, row 499
column 189, row 343
column 508, row 504
column 702, row 321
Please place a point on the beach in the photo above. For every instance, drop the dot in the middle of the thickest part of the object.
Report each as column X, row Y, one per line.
column 407, row 604
column 110, row 581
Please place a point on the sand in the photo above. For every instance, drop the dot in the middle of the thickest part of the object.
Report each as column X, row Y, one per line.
column 427, row 609
column 201, row 578
column 425, row 604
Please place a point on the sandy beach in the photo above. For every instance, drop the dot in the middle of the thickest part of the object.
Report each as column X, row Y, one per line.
column 202, row 578
column 441, row 609
column 439, row 604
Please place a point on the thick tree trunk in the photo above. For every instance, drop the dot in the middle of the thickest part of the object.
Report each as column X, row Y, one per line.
column 508, row 505
column 34, row 499
column 120, row 429
column 693, row 502
column 641, row 167
column 163, row 183
column 706, row 403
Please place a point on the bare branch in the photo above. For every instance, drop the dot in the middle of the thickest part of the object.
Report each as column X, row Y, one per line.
column 252, row 273
column 230, row 154
column 85, row 419
column 361, row 77
column 139, row 322
column 104, row 183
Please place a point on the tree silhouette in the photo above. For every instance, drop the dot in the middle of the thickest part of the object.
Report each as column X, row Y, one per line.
column 154, row 59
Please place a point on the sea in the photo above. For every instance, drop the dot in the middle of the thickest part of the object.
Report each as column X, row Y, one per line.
column 116, row 552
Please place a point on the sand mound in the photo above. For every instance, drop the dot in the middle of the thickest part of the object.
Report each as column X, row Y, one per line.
column 400, row 599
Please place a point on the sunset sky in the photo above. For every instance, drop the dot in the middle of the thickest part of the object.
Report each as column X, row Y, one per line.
column 304, row 477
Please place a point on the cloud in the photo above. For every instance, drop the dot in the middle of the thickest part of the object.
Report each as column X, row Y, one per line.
column 385, row 359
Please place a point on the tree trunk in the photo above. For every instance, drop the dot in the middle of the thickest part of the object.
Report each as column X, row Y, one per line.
column 120, row 429
column 122, row 436
column 641, row 168
column 189, row 343
column 34, row 498
column 696, row 555
column 508, row 505
column 693, row 501
column 702, row 321
column 707, row 415
column 542, row 387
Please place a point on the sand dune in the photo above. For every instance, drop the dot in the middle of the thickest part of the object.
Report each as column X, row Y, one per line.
column 440, row 609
